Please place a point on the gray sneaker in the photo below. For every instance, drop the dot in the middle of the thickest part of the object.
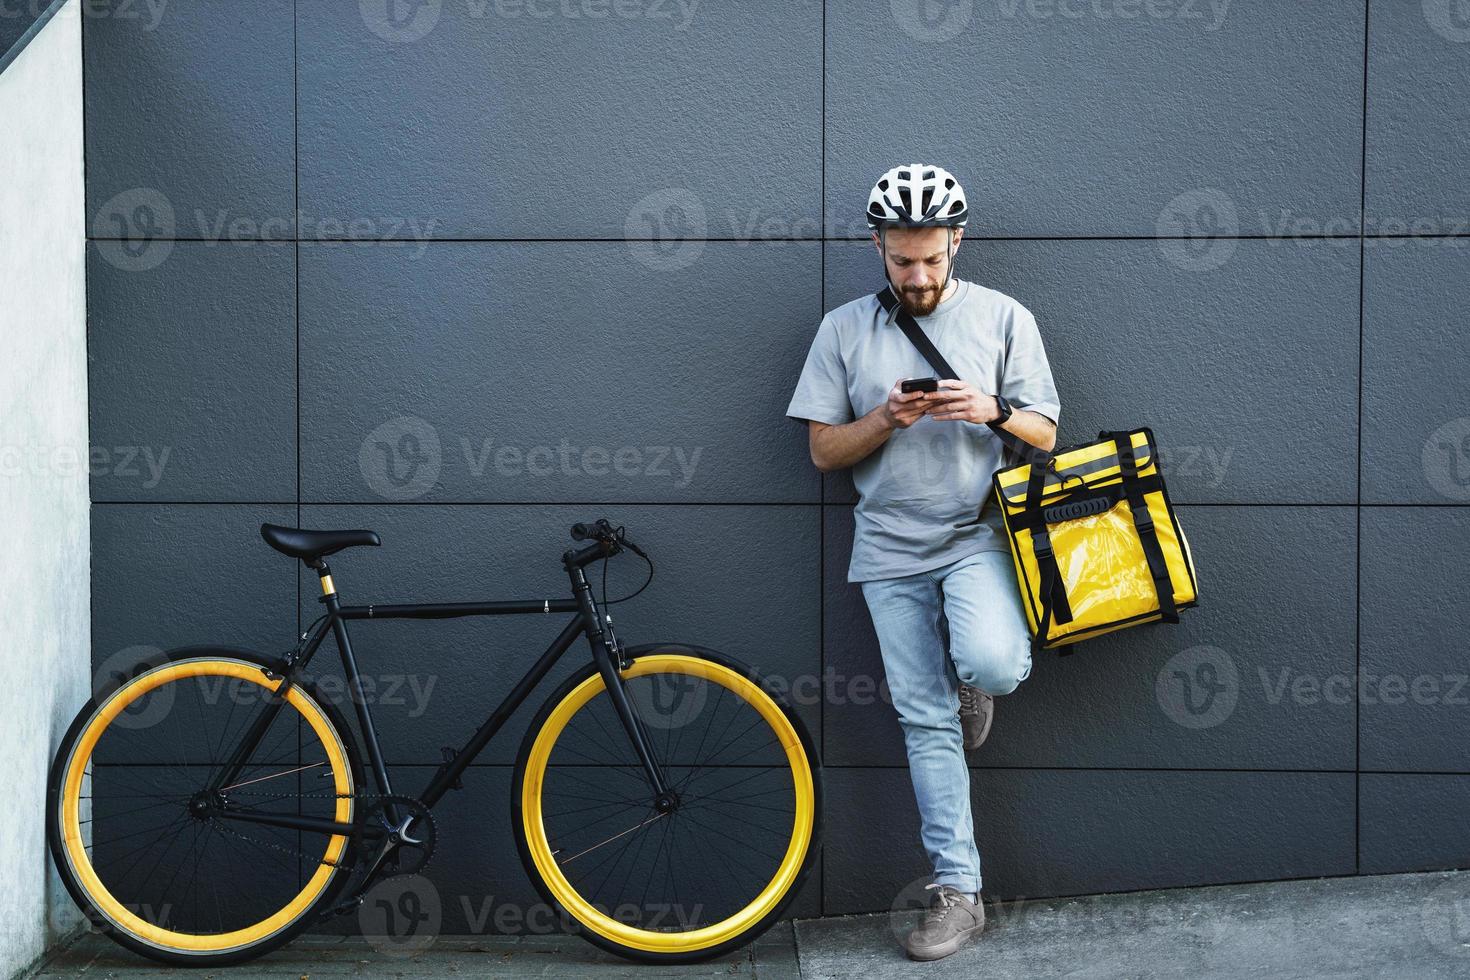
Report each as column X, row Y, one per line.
column 951, row 922
column 977, row 711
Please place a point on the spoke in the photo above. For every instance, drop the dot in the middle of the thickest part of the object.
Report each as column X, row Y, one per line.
column 719, row 833
column 136, row 833
column 613, row 838
column 739, row 782
column 114, row 816
column 615, row 766
column 586, row 799
column 698, row 765
column 633, row 865
column 568, row 834
column 584, row 809
column 720, row 804
column 658, row 853
column 278, row 775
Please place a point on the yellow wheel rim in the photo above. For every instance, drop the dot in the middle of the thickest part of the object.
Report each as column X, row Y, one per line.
column 644, row 939
column 75, row 846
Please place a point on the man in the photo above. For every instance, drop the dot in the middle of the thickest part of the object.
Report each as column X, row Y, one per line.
column 944, row 601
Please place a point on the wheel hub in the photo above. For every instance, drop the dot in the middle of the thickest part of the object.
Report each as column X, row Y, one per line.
column 203, row 804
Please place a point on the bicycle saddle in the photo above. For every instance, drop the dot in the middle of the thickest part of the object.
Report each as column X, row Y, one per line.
column 312, row 545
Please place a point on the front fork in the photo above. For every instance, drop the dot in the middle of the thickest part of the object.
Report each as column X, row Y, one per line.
column 608, row 654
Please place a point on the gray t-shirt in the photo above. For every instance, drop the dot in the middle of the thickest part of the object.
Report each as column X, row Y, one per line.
column 933, row 475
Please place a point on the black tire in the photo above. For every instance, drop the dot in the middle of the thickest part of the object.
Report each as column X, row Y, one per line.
column 122, row 937
column 643, row 956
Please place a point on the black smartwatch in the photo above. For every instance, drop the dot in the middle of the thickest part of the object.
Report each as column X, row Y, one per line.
column 1005, row 409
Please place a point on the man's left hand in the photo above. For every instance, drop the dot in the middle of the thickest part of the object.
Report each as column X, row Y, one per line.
column 959, row 400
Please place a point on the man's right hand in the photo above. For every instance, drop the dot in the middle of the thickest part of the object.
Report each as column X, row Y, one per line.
column 836, row 447
column 903, row 410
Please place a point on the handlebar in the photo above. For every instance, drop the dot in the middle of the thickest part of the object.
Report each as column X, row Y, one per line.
column 608, row 541
column 599, row 529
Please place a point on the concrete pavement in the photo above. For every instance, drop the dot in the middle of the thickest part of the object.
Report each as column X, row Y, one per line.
column 1411, row 925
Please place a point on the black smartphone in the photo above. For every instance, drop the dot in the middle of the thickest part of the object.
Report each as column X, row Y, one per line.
column 918, row 384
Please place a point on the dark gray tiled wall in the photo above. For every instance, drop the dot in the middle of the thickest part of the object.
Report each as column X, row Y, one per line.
column 604, row 236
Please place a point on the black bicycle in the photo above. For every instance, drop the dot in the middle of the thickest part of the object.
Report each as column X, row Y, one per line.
column 211, row 807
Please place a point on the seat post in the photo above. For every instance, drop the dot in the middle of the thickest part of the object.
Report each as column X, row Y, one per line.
column 324, row 571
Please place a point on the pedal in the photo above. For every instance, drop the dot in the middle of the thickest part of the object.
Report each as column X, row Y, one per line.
column 345, row 907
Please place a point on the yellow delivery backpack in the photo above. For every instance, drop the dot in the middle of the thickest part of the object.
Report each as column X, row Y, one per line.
column 1096, row 543
column 1095, row 540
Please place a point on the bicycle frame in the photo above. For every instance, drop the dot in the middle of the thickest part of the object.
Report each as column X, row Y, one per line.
column 606, row 653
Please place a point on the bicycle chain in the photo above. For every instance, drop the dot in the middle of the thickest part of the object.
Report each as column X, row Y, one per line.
column 375, row 797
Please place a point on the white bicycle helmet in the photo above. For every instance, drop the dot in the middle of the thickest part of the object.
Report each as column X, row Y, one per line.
column 917, row 196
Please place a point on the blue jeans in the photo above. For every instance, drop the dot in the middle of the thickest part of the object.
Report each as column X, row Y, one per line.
column 961, row 622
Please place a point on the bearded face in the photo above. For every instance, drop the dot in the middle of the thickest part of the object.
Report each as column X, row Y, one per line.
column 918, row 261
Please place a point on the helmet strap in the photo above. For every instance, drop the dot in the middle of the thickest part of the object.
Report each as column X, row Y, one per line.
column 948, row 269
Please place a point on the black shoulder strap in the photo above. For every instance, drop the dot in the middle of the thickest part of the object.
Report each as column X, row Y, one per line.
column 1019, row 448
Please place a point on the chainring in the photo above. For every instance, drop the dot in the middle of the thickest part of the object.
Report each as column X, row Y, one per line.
column 415, row 847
